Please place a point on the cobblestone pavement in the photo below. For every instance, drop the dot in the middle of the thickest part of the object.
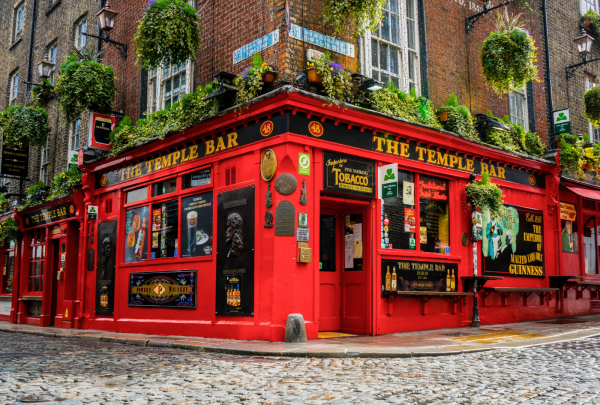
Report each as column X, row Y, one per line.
column 75, row 371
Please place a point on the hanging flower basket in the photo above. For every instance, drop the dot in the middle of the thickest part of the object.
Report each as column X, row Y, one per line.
column 591, row 101
column 314, row 77
column 485, row 195
column 336, row 81
column 363, row 15
column 168, row 33
column 591, row 22
column 24, row 126
column 9, row 231
column 253, row 78
column 508, row 57
column 269, row 76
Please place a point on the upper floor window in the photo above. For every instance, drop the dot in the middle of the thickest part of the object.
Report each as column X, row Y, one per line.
column 74, row 135
column 168, row 85
column 593, row 132
column 19, row 20
column 587, row 5
column 44, row 163
column 391, row 53
column 80, row 30
column 14, row 89
column 517, row 101
column 52, row 56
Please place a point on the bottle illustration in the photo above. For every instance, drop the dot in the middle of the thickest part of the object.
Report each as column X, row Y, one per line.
column 228, row 295
column 388, row 279
column 448, row 281
column 394, row 280
column 139, row 247
column 453, row 282
column 237, row 296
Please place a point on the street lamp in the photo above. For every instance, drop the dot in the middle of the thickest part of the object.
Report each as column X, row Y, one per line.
column 107, row 17
column 584, row 46
column 45, row 67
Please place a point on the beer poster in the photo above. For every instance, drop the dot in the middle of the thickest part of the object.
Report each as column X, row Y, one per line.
column 197, row 225
column 410, row 221
column 136, row 234
column 513, row 243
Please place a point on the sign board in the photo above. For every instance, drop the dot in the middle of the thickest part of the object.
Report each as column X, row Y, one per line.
column 568, row 212
column 92, row 212
column 49, row 215
column 324, row 41
column 253, row 47
column 165, row 289
column 513, row 244
column 348, row 174
column 302, row 235
column 15, row 161
column 562, row 121
column 419, row 276
column 388, row 181
column 99, row 129
column 304, row 164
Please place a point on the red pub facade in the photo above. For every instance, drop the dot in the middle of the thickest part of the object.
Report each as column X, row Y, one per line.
column 225, row 229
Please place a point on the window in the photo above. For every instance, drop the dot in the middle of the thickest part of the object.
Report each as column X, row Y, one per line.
column 44, row 162
column 137, row 195
column 37, row 254
column 569, row 236
column 152, row 91
column 517, row 101
column 399, row 218
column 168, row 85
column 74, row 135
column 391, row 53
column 196, row 179
column 80, row 30
column 434, row 215
column 19, row 21
column 52, row 56
column 165, row 227
column 7, row 271
column 14, row 89
column 593, row 132
column 164, row 187
column 590, row 247
column 587, row 5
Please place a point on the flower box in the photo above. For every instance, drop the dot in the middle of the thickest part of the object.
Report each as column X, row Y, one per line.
column 314, row 77
column 269, row 77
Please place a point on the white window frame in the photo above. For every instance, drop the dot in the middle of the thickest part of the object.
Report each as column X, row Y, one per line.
column 512, row 100
column 14, row 89
column 19, row 21
column 593, row 133
column 44, row 152
column 52, row 54
column 404, row 79
column 80, row 39
column 586, row 5
column 75, row 135
column 157, row 83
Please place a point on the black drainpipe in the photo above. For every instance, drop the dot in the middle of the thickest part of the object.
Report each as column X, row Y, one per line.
column 423, row 50
column 33, row 18
column 551, row 141
column 99, row 42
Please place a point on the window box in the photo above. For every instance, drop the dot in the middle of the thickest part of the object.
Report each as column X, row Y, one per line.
column 314, row 77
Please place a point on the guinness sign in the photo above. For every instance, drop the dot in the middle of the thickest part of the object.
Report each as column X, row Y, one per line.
column 99, row 129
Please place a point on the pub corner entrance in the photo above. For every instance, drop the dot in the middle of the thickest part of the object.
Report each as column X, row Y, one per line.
column 345, row 266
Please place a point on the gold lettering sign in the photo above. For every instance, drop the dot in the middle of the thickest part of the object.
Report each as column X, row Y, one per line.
column 568, row 212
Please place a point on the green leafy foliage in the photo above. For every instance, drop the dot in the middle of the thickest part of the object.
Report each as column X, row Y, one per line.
column 485, row 195
column 591, row 101
column 364, row 15
column 571, row 155
column 183, row 114
column 591, row 156
column 411, row 107
column 64, row 183
column 41, row 93
column 39, row 185
column 9, row 231
column 337, row 82
column 85, row 85
column 459, row 120
column 250, row 81
column 594, row 27
column 169, row 32
column 508, row 60
column 24, row 126
column 534, row 145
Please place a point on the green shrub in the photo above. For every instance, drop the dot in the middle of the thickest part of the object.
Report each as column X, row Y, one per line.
column 591, row 100
column 9, row 231
column 594, row 27
column 250, row 81
column 364, row 15
column 485, row 195
column 24, row 126
column 411, row 107
column 64, row 183
column 571, row 155
column 459, row 120
column 534, row 145
column 337, row 82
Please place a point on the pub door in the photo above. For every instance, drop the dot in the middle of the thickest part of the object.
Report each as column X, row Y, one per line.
column 54, row 256
column 345, row 267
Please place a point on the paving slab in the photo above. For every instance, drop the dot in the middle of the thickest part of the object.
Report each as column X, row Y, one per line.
column 440, row 342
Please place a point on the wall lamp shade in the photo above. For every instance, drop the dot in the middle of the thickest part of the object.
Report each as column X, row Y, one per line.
column 584, row 43
column 224, row 79
column 45, row 67
column 371, row 85
column 107, row 16
column 485, row 122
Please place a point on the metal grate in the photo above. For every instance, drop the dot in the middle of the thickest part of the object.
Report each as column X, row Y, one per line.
column 457, row 334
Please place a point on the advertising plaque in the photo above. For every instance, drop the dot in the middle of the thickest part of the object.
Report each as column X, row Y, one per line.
column 420, row 276
column 165, row 289
column 197, row 225
column 99, row 129
column 105, row 267
column 348, row 174
column 14, row 161
column 513, row 244
column 136, row 234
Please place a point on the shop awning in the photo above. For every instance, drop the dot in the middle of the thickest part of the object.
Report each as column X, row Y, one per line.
column 584, row 192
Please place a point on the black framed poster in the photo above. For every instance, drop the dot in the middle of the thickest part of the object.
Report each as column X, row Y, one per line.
column 136, row 234
column 165, row 289
column 105, row 267
column 513, row 244
column 235, row 252
column 197, row 225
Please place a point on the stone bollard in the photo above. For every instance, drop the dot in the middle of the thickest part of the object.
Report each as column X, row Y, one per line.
column 295, row 331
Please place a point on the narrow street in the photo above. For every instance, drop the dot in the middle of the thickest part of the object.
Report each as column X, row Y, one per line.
column 75, row 371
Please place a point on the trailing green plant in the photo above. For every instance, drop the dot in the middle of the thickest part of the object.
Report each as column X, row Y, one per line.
column 9, row 231
column 594, row 27
column 459, row 120
column 85, row 84
column 508, row 56
column 364, row 15
column 485, row 195
column 337, row 82
column 183, row 114
column 39, row 185
column 168, row 33
column 571, row 155
column 64, row 183
column 24, row 126
column 534, row 145
column 591, row 101
column 591, row 158
column 41, row 93
column 250, row 81
column 411, row 107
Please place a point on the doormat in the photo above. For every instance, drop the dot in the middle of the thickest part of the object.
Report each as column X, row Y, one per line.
column 329, row 335
column 498, row 337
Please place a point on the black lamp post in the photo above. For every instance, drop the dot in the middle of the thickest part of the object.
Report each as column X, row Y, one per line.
column 106, row 18
column 475, row 321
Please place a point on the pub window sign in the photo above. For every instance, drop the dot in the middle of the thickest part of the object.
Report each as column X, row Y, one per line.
column 99, row 129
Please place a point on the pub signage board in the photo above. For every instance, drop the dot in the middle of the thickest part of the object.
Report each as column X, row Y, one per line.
column 99, row 129
column 513, row 244
column 588, row 178
column 197, row 215
column 348, row 174
column 15, row 161
column 48, row 215
column 419, row 276
column 164, row 289
column 105, row 267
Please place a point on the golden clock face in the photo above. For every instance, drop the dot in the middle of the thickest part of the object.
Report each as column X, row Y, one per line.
column 268, row 165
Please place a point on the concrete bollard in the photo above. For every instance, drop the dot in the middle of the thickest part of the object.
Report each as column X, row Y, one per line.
column 295, row 331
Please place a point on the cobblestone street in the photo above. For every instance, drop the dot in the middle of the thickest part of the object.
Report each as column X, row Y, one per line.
column 75, row 371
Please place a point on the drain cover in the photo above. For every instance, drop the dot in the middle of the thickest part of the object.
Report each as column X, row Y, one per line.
column 457, row 334
column 38, row 398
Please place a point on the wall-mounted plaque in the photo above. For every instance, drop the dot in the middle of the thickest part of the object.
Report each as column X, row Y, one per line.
column 235, row 252
column 166, row 289
column 348, row 174
column 286, row 184
column 285, row 219
column 15, row 161
column 268, row 165
column 105, row 267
